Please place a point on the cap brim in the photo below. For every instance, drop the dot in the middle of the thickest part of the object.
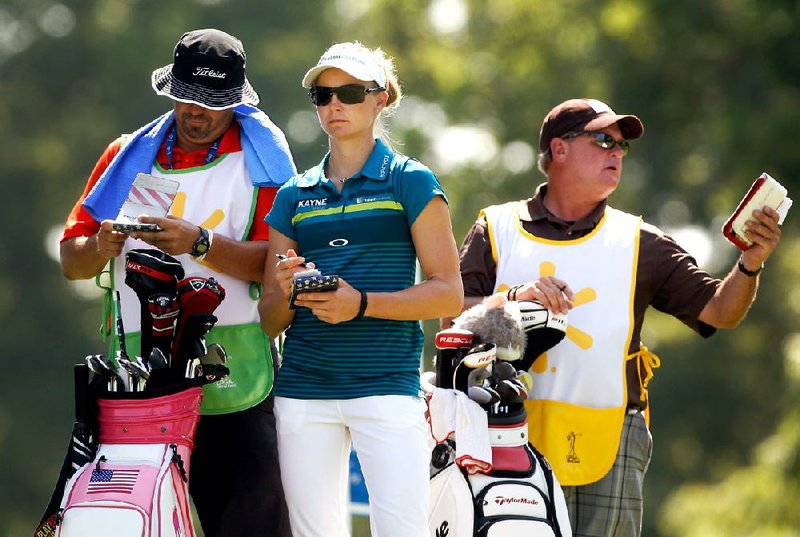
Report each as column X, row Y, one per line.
column 631, row 127
column 351, row 68
column 164, row 83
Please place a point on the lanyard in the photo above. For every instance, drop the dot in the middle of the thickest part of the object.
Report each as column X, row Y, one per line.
column 169, row 146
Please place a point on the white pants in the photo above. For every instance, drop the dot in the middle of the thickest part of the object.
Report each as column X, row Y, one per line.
column 390, row 436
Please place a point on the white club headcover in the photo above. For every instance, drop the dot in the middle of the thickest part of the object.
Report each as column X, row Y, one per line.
column 543, row 328
column 478, row 357
column 533, row 316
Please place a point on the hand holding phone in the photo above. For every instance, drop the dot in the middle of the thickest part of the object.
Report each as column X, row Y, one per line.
column 130, row 227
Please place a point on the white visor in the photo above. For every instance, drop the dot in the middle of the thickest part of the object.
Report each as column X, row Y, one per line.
column 355, row 61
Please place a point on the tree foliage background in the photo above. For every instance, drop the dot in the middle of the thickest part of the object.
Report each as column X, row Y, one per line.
column 715, row 82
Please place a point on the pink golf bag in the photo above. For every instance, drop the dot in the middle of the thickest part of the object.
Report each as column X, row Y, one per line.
column 137, row 484
column 126, row 470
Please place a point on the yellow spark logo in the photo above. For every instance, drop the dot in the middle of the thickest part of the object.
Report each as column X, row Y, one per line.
column 574, row 334
column 212, row 221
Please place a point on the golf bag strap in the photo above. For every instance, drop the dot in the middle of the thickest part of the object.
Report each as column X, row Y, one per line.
column 107, row 311
column 548, row 476
column 48, row 527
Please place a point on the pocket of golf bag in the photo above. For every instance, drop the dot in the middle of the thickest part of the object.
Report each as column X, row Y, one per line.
column 128, row 491
column 451, row 512
column 506, row 508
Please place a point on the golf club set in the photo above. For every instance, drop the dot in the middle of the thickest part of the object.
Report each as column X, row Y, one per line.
column 176, row 314
column 472, row 367
column 488, row 351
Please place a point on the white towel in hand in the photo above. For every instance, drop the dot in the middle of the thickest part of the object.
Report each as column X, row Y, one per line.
column 453, row 412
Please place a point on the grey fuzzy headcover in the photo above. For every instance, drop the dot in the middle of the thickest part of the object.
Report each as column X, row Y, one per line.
column 499, row 325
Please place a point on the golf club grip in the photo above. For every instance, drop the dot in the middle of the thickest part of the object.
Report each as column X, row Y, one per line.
column 81, row 373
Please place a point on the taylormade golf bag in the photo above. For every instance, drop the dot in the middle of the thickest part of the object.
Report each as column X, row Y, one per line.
column 499, row 485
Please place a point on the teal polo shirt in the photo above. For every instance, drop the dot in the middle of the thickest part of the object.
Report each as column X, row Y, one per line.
column 361, row 234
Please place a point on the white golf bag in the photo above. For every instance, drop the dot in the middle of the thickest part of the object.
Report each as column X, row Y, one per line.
column 520, row 496
column 137, row 484
column 487, row 480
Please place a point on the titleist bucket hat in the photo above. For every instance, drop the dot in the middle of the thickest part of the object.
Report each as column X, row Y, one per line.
column 208, row 70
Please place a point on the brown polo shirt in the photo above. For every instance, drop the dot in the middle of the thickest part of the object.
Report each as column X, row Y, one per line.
column 667, row 277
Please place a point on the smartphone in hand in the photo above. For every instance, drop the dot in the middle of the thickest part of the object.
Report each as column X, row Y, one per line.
column 129, row 227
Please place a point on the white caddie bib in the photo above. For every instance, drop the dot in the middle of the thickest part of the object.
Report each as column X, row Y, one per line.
column 579, row 395
column 218, row 196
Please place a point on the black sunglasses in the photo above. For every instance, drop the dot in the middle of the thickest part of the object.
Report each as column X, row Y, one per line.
column 347, row 94
column 601, row 139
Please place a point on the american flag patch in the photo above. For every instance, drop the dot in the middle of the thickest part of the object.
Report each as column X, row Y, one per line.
column 150, row 197
column 117, row 480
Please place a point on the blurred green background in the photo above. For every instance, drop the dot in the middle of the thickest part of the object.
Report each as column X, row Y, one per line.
column 715, row 82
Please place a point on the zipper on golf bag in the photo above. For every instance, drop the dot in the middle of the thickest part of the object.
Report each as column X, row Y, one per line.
column 514, row 526
column 128, row 491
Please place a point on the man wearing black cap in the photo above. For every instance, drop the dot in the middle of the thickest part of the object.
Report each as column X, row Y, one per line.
column 568, row 249
column 229, row 159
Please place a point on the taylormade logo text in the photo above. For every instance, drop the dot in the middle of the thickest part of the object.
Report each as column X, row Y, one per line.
column 500, row 500
column 207, row 71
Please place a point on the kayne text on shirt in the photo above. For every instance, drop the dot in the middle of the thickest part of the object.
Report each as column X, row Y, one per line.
column 312, row 203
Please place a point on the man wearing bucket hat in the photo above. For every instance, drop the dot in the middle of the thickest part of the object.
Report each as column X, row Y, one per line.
column 567, row 248
column 229, row 159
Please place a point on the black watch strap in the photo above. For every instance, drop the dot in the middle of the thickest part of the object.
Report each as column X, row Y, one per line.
column 202, row 244
column 749, row 273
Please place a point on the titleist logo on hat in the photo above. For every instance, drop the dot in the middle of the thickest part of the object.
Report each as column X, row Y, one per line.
column 207, row 71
